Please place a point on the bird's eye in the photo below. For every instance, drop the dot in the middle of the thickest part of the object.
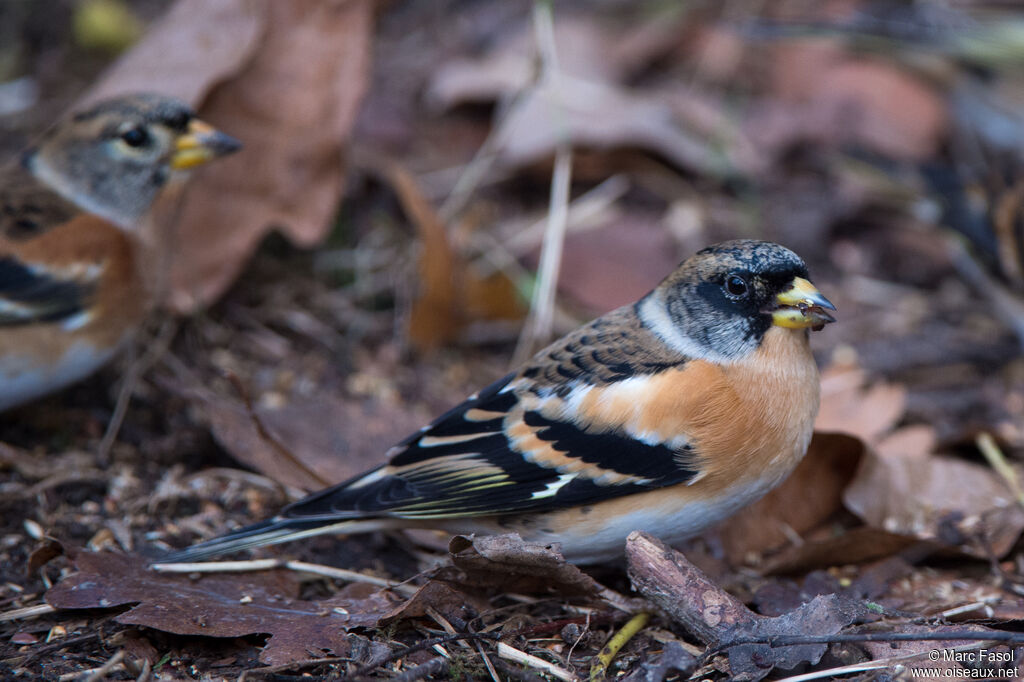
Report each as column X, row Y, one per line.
column 135, row 137
column 735, row 285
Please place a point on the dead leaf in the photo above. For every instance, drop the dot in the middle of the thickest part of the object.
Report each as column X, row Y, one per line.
column 674, row 659
column 616, row 263
column 509, row 563
column 442, row 596
column 852, row 546
column 451, row 294
column 849, row 405
column 188, row 51
column 586, row 48
column 810, row 496
column 935, row 497
column 332, row 439
column 586, row 104
column 284, row 78
column 823, row 615
column 826, row 94
column 223, row 605
column 602, row 116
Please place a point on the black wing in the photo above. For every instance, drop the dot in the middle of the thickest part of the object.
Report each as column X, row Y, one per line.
column 30, row 294
column 494, row 454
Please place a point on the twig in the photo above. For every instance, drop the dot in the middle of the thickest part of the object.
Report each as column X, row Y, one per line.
column 57, row 646
column 866, row 666
column 517, row 673
column 997, row 460
column 146, row 674
column 432, row 667
column 583, row 213
column 839, row 638
column 293, row 665
column 101, row 672
column 137, row 367
column 267, row 564
column 27, row 612
column 968, row 608
column 1004, row 303
column 513, row 654
column 540, row 322
column 420, row 646
column 487, row 662
column 599, row 670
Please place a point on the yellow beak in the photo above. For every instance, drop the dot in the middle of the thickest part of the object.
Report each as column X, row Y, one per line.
column 201, row 143
column 801, row 306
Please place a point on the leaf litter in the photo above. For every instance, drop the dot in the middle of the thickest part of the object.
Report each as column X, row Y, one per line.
column 311, row 366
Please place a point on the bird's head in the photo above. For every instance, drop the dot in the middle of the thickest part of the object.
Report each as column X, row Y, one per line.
column 114, row 158
column 720, row 302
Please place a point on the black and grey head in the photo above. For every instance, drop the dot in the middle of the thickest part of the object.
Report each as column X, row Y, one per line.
column 719, row 303
column 114, row 158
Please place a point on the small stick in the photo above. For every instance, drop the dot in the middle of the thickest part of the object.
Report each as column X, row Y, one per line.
column 967, row 608
column 27, row 612
column 94, row 674
column 487, row 662
column 512, row 654
column 541, row 319
column 293, row 665
column 147, row 671
column 432, row 667
column 138, row 366
column 866, row 666
column 599, row 670
column 517, row 673
column 299, row 566
column 420, row 646
column 1000, row 636
column 997, row 460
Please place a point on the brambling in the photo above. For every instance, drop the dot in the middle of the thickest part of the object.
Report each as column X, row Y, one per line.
column 70, row 286
column 666, row 415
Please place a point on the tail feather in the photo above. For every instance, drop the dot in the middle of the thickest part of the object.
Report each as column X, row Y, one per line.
column 270, row 532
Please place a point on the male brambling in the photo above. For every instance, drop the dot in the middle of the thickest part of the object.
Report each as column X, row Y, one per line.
column 70, row 288
column 667, row 416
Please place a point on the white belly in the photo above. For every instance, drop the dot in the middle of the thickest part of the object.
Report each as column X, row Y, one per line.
column 21, row 382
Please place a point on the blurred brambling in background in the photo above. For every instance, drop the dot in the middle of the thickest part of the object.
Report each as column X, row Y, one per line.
column 70, row 286
column 666, row 416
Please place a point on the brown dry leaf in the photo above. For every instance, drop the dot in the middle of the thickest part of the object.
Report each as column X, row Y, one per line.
column 823, row 93
column 508, row 563
column 586, row 104
column 853, row 546
column 286, row 78
column 849, row 406
column 451, row 294
column 586, row 48
column 604, row 116
column 823, row 615
column 811, row 494
column 223, row 605
column 616, row 263
column 442, row 595
column 193, row 47
column 325, row 439
column 903, row 488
